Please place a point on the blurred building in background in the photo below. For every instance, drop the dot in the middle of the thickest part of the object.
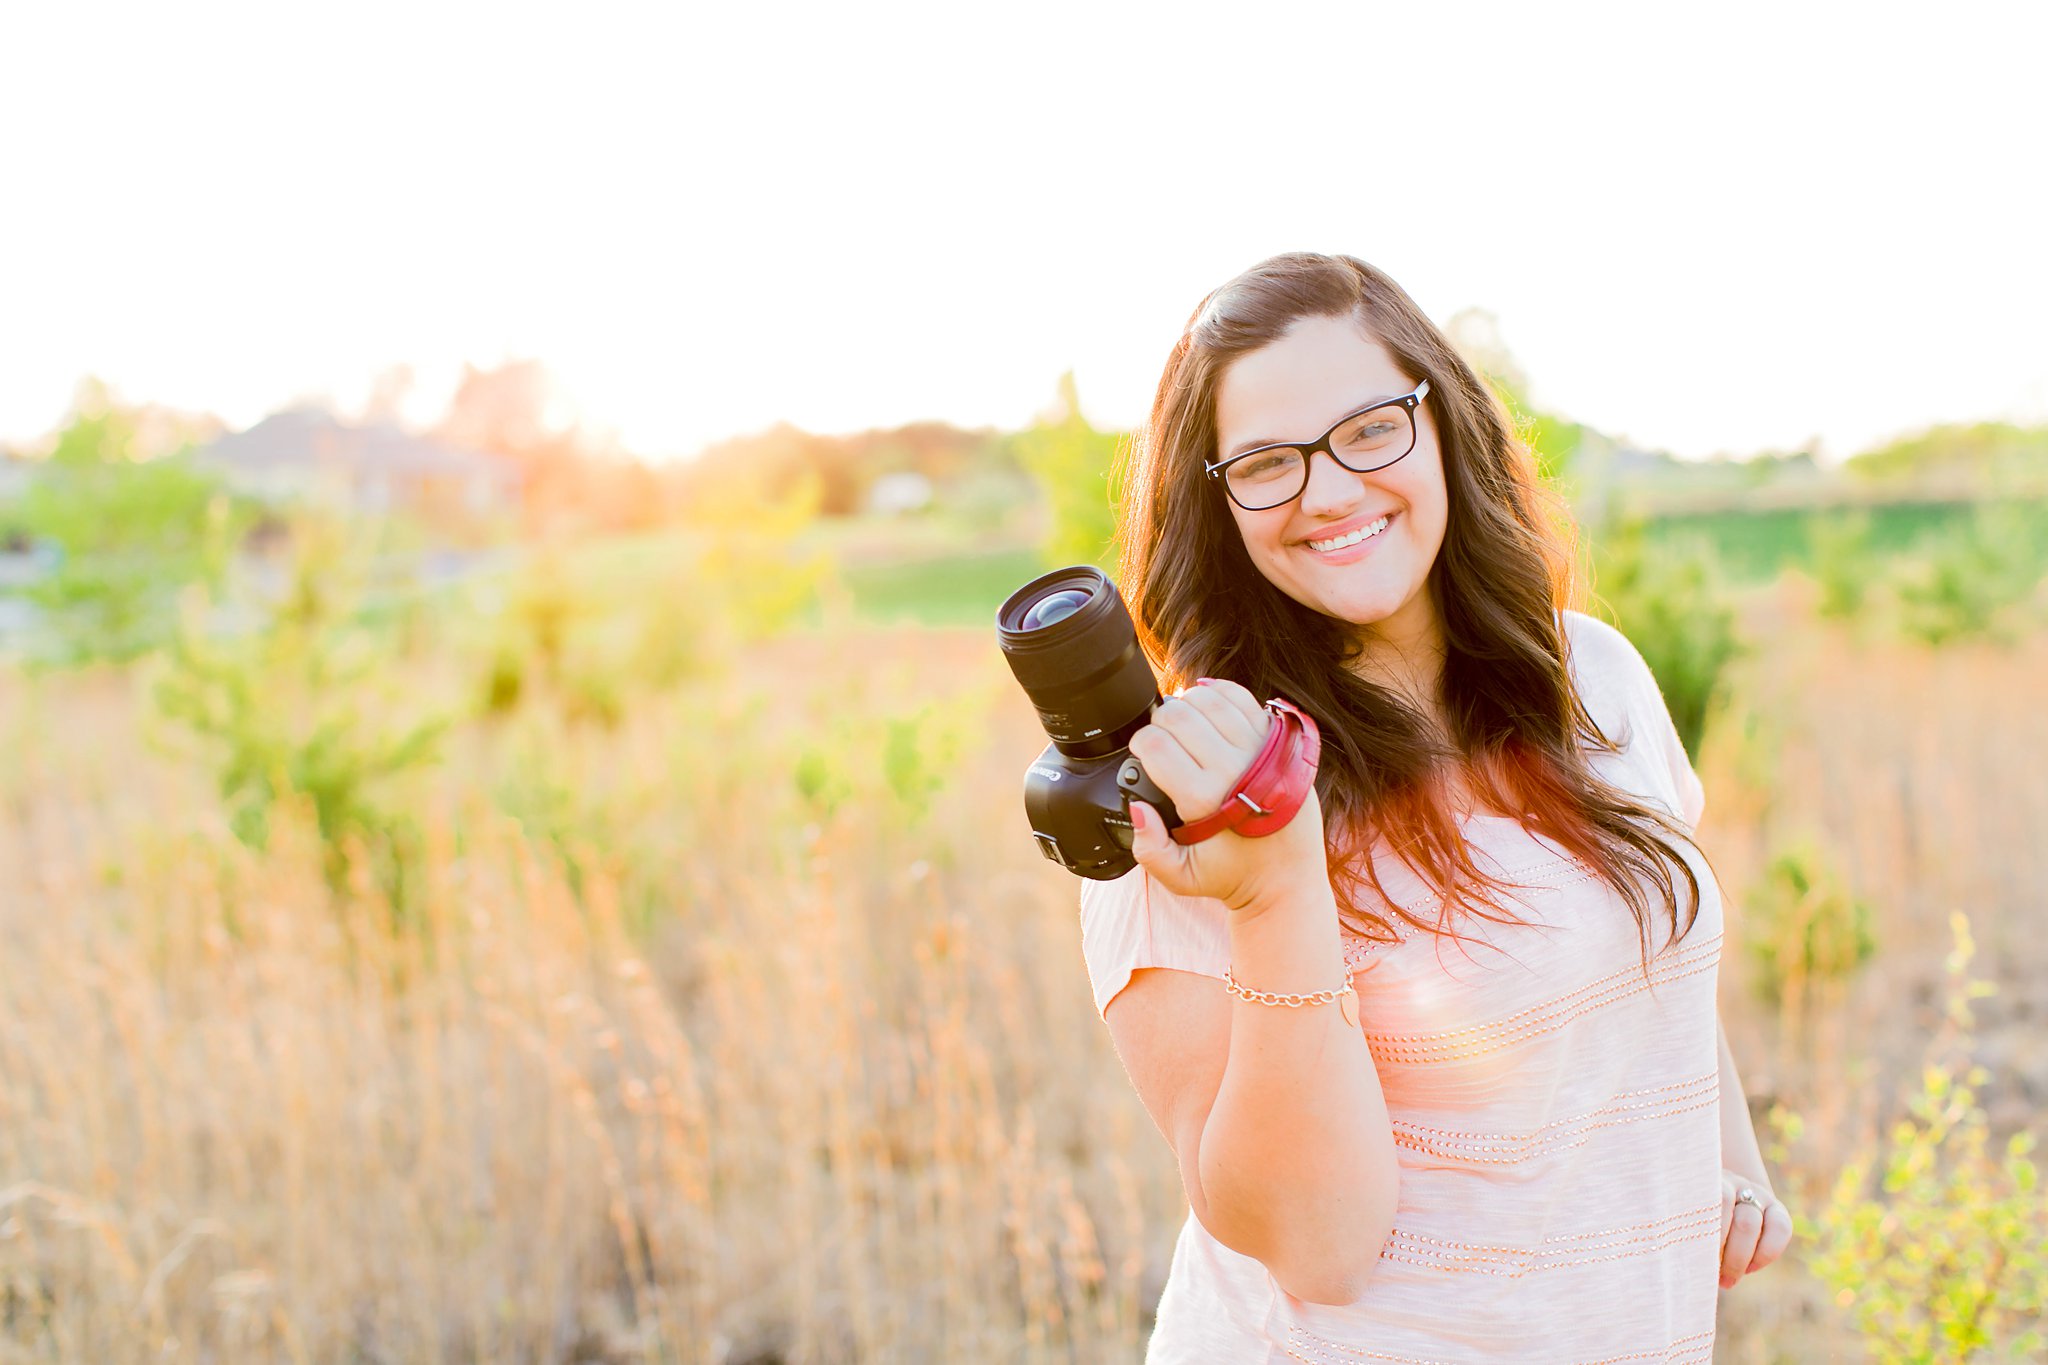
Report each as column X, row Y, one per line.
column 313, row 456
column 15, row 474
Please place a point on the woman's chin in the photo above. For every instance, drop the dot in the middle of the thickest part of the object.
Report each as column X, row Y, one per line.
column 1354, row 613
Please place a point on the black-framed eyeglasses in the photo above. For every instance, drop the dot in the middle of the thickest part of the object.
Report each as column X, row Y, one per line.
column 1364, row 441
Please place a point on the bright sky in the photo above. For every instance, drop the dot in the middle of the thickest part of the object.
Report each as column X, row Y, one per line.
column 1730, row 227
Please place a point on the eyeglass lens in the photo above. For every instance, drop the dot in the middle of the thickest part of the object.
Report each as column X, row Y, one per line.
column 1369, row 441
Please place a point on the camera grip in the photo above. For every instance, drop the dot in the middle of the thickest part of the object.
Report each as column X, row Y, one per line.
column 1137, row 785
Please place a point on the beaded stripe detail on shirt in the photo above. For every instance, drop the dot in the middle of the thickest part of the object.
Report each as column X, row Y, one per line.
column 1697, row 1348
column 1556, row 1253
column 1547, row 1017
column 1561, row 1135
column 1306, row 1345
column 1302, row 1344
column 1358, row 948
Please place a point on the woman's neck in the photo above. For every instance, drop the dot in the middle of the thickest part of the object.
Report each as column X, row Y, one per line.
column 1404, row 653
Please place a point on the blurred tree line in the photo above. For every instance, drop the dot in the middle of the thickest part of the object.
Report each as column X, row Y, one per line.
column 578, row 481
column 842, row 472
column 1987, row 456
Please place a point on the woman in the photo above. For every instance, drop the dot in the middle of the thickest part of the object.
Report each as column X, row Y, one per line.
column 1533, row 1145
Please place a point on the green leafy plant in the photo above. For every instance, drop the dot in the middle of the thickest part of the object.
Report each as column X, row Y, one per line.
column 1669, row 601
column 1074, row 466
column 127, row 533
column 898, row 762
column 1807, row 925
column 589, row 637
column 302, row 706
column 1936, row 1238
column 759, row 578
column 1965, row 580
column 1846, row 563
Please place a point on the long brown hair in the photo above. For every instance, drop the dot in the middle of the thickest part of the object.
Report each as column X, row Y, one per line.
column 1518, row 726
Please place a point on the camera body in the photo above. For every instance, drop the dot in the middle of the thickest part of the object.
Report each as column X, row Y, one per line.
column 1080, row 809
column 1069, row 640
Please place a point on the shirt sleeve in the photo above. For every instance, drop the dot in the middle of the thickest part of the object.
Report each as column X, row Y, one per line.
column 1135, row 922
column 1616, row 682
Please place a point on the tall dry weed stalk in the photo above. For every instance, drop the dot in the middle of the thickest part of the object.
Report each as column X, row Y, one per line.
column 1914, row 772
column 687, row 1057
column 838, row 1096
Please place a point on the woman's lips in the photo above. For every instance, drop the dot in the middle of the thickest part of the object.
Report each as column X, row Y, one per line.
column 1352, row 553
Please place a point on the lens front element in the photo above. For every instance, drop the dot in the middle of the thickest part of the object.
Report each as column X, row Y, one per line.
column 1055, row 606
column 1070, row 642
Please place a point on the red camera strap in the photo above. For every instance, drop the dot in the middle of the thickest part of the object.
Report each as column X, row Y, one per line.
column 1273, row 787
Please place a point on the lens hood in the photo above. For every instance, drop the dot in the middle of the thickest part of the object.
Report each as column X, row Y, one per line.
column 1072, row 646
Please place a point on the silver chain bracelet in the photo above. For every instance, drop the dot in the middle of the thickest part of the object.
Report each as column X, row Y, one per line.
column 1294, row 999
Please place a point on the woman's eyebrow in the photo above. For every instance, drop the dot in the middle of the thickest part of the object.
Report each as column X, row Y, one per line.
column 1242, row 446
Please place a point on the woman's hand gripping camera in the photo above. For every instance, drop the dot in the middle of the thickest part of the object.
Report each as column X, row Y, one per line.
column 1199, row 743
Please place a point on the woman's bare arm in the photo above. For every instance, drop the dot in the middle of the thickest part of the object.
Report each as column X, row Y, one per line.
column 1275, row 1114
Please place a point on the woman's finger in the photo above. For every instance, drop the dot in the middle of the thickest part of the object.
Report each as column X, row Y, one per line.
column 1240, row 696
column 1155, row 850
column 1204, row 743
column 1775, row 1237
column 1745, row 1222
column 1229, row 718
column 1196, row 792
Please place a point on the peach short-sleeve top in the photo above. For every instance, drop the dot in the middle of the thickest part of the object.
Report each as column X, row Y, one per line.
column 1555, row 1111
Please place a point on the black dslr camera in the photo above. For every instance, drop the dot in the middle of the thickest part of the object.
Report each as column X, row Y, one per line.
column 1070, row 641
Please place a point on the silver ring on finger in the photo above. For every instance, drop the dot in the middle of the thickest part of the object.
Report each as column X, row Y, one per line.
column 1748, row 1197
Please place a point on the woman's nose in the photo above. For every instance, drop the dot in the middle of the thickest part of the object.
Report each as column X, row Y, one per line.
column 1331, row 487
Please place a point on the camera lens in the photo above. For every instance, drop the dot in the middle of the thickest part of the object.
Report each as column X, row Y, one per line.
column 1054, row 607
column 1070, row 642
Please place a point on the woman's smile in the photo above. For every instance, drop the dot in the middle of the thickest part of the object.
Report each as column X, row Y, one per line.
column 1352, row 542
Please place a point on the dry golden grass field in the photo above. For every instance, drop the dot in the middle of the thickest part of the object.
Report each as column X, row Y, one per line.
column 751, row 1028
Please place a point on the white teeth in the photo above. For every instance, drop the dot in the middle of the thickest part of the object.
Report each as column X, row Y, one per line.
column 1362, row 533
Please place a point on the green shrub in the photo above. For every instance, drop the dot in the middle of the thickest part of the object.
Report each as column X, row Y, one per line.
column 1806, row 925
column 897, row 763
column 1074, row 466
column 1936, row 1238
column 1846, row 562
column 756, row 579
column 128, row 532
column 304, row 706
column 1965, row 581
column 588, row 632
column 1668, row 599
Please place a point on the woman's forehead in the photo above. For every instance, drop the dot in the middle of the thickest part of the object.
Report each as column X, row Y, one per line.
column 1293, row 387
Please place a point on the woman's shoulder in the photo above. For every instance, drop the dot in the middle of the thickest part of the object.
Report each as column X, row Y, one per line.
column 1606, row 667
column 1623, row 696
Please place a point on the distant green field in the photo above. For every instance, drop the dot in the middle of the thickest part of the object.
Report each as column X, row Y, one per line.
column 1754, row 546
column 962, row 589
